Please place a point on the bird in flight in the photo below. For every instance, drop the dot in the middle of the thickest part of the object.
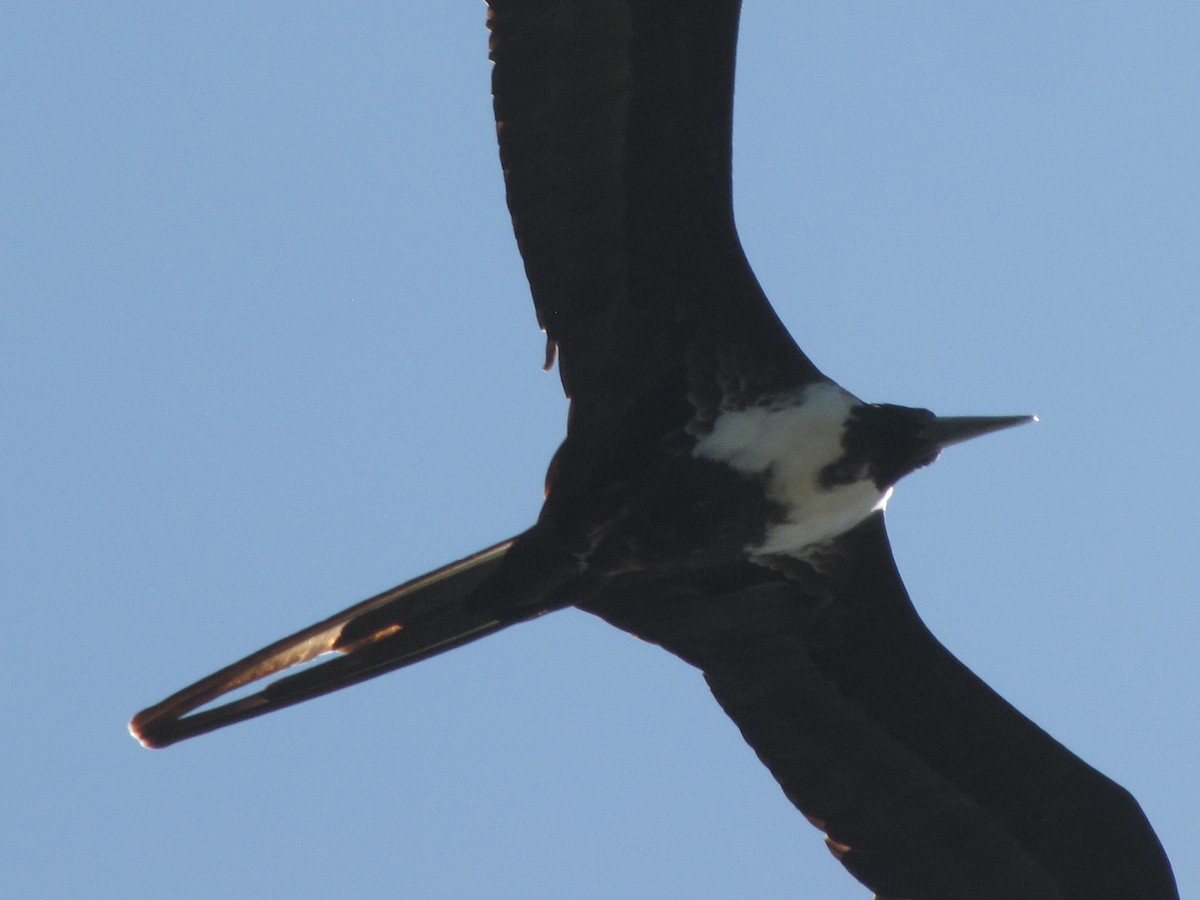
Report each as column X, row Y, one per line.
column 716, row 494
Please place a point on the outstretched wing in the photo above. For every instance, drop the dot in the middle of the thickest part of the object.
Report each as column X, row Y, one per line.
column 927, row 783
column 614, row 120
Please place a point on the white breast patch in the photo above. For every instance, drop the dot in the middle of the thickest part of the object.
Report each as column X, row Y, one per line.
column 789, row 442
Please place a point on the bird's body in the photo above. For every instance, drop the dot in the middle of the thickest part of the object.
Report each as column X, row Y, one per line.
column 718, row 495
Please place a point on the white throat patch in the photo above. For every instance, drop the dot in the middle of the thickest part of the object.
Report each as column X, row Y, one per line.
column 788, row 442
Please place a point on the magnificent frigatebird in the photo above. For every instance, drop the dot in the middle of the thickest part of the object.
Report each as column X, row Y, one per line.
column 718, row 495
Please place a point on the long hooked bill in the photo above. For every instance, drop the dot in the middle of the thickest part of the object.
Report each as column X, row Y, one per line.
column 945, row 431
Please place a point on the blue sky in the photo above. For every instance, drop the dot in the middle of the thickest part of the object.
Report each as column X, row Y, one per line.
column 267, row 348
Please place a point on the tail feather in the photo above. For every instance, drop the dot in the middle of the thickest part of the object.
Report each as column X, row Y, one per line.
column 410, row 622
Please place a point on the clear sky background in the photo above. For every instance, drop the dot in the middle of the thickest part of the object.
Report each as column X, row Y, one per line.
column 266, row 348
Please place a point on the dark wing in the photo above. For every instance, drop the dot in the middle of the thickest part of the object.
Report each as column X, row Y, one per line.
column 614, row 120
column 927, row 783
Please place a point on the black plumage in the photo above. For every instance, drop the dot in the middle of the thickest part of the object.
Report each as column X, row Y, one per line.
column 614, row 121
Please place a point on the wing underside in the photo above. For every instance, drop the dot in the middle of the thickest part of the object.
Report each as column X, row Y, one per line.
column 927, row 783
column 614, row 121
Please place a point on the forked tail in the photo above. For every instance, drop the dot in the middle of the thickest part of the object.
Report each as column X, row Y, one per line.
column 408, row 623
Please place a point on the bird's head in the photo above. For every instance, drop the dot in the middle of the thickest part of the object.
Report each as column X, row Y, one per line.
column 887, row 441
